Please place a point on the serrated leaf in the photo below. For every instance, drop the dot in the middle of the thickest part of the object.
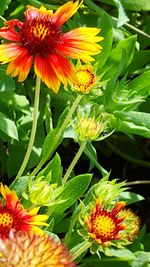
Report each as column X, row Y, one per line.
column 8, row 126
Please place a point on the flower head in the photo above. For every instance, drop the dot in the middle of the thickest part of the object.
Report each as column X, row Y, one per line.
column 104, row 226
column 132, row 222
column 25, row 250
column 86, row 79
column 91, row 123
column 13, row 216
column 40, row 40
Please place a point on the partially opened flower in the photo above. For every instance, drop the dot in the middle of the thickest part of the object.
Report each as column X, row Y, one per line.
column 132, row 222
column 23, row 250
column 13, row 216
column 86, row 79
column 40, row 40
column 104, row 226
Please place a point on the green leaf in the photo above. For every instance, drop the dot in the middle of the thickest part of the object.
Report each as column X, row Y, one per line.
column 141, row 259
column 4, row 5
column 53, row 167
column 8, row 126
column 139, row 118
column 126, row 48
column 122, row 253
column 133, row 122
column 6, row 82
column 130, row 197
column 14, row 165
column 54, row 138
column 38, row 3
column 131, row 128
column 136, row 5
column 140, row 84
column 20, row 185
column 73, row 190
column 122, row 17
column 14, row 101
column 106, row 31
column 140, row 59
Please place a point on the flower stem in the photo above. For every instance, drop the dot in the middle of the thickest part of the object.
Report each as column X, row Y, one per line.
column 77, row 252
column 57, row 137
column 3, row 19
column 33, row 130
column 74, row 161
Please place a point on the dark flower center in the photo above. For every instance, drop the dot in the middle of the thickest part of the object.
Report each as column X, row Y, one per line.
column 40, row 36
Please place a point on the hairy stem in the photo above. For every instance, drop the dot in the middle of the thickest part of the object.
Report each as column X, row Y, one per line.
column 77, row 252
column 33, row 129
column 74, row 161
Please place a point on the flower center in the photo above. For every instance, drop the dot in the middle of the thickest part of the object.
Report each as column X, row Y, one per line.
column 104, row 226
column 40, row 36
column 6, row 220
column 85, row 79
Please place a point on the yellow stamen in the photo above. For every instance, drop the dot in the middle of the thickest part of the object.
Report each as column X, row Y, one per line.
column 6, row 220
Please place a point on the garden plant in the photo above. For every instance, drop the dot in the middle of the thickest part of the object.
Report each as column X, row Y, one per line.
column 74, row 133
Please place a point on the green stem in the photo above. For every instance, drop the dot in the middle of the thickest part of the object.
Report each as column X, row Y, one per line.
column 77, row 252
column 33, row 130
column 137, row 182
column 3, row 19
column 74, row 161
column 57, row 137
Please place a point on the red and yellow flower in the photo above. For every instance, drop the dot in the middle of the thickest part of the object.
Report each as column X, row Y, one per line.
column 13, row 216
column 104, row 226
column 86, row 79
column 25, row 250
column 40, row 40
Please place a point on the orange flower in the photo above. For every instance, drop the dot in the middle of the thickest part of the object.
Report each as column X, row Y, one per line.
column 40, row 40
column 13, row 216
column 25, row 250
column 104, row 226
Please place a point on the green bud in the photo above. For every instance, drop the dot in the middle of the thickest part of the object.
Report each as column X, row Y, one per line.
column 41, row 193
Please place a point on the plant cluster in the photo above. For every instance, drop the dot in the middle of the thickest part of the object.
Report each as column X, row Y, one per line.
column 72, row 72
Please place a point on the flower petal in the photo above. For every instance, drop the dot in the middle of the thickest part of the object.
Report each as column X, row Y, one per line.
column 63, row 68
column 34, row 13
column 44, row 70
column 64, row 12
column 20, row 66
column 9, row 31
column 85, row 34
column 9, row 52
column 80, row 43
